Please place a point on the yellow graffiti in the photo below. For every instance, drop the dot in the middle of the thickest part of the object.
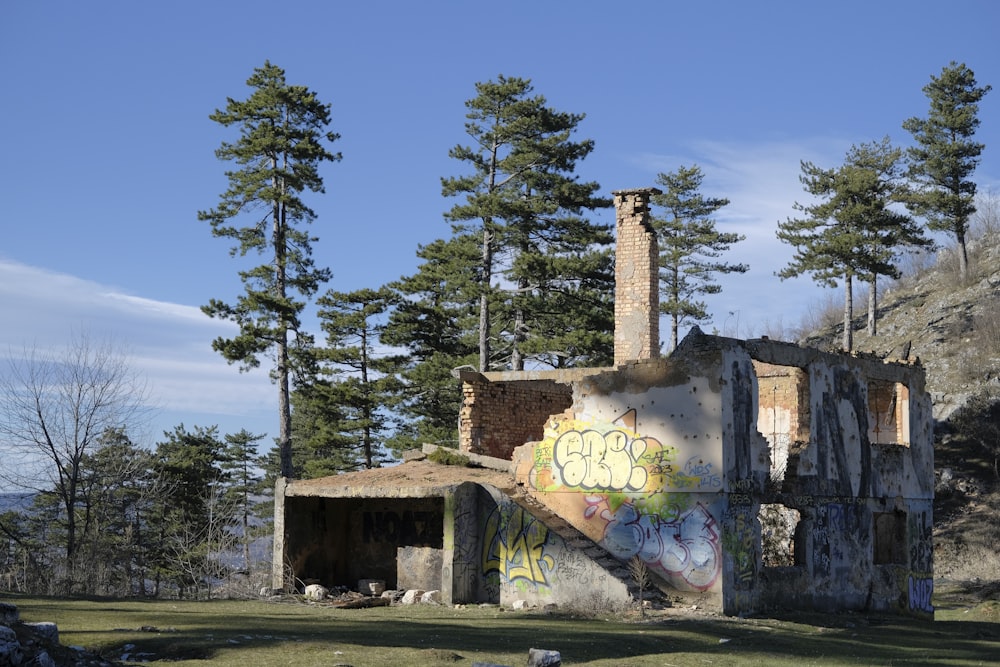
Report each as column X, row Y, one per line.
column 515, row 547
column 593, row 460
column 602, row 457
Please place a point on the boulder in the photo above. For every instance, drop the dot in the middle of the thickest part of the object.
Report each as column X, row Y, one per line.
column 316, row 592
column 10, row 647
column 8, row 613
column 371, row 586
column 49, row 632
column 538, row 657
column 412, row 596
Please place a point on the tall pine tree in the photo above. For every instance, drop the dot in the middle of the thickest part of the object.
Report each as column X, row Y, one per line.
column 852, row 231
column 524, row 200
column 282, row 131
column 942, row 162
column 689, row 247
column 874, row 173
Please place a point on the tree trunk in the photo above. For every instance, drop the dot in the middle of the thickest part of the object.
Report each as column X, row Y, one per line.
column 484, row 298
column 281, row 363
column 963, row 260
column 847, row 342
column 516, row 358
column 873, row 307
column 366, row 433
column 675, row 320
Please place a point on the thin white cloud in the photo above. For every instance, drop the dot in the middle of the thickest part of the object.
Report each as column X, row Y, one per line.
column 761, row 180
column 169, row 344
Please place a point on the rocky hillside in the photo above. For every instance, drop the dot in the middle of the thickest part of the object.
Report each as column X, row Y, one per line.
column 954, row 329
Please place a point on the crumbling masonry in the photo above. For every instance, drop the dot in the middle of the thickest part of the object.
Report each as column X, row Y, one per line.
column 752, row 475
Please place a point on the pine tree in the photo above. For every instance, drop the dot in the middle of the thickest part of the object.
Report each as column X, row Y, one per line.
column 945, row 156
column 364, row 385
column 873, row 174
column 527, row 205
column 243, row 481
column 189, row 464
column 852, row 232
column 434, row 320
column 689, row 245
column 120, row 490
column 278, row 154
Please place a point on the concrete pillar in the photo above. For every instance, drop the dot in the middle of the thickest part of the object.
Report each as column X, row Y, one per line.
column 460, row 558
column 637, row 278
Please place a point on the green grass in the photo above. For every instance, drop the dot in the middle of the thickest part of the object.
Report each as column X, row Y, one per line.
column 252, row 633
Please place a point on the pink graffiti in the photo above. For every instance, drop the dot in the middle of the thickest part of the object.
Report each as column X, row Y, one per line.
column 687, row 547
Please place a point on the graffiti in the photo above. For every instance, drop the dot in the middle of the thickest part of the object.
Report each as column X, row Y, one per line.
column 921, row 589
column 921, row 541
column 601, row 457
column 594, row 460
column 412, row 528
column 739, row 545
column 838, row 519
column 697, row 473
column 514, row 546
column 742, row 485
column 687, row 548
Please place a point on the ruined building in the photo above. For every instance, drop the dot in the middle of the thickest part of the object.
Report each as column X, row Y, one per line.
column 751, row 475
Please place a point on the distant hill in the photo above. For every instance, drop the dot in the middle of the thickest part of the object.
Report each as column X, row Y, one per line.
column 15, row 501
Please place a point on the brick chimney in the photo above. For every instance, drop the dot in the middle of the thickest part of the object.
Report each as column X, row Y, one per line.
column 637, row 278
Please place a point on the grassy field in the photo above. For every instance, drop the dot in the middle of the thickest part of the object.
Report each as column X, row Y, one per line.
column 249, row 633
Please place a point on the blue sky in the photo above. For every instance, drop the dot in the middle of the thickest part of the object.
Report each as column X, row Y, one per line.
column 109, row 152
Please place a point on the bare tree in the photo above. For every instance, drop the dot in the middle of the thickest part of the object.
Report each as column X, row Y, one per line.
column 54, row 410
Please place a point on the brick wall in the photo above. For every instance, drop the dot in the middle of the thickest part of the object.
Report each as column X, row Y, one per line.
column 783, row 401
column 496, row 417
column 637, row 296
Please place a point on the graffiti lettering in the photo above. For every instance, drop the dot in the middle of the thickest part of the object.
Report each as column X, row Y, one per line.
column 687, row 547
column 514, row 546
column 739, row 544
column 921, row 590
column 838, row 519
column 697, row 473
column 594, row 460
column 742, row 485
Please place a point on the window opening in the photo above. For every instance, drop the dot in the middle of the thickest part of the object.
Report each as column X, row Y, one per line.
column 889, row 543
column 888, row 413
column 778, row 528
column 782, row 415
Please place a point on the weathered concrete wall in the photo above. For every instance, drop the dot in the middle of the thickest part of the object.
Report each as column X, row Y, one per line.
column 859, row 536
column 461, row 571
column 418, row 568
column 522, row 559
column 637, row 467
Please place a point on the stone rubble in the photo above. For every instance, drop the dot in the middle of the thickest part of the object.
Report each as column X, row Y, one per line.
column 37, row 645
